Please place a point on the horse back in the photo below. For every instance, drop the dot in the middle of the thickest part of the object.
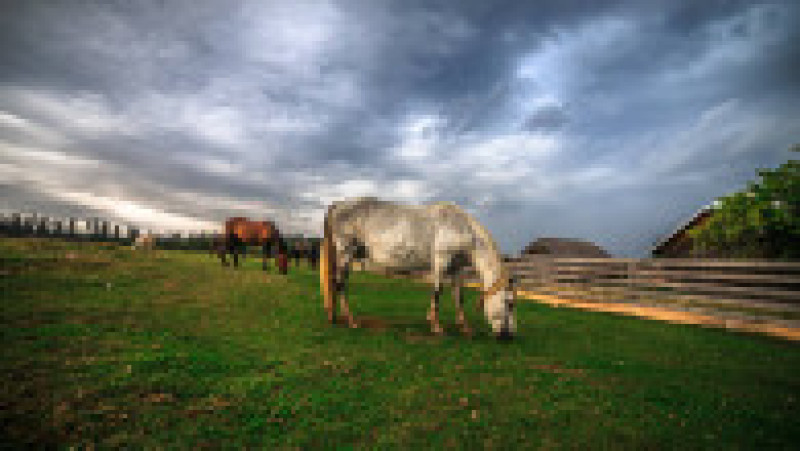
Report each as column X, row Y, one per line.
column 401, row 235
column 266, row 231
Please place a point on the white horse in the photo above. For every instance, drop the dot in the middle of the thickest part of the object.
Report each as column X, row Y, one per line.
column 441, row 238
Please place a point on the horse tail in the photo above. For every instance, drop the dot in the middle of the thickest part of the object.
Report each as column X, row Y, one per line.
column 327, row 269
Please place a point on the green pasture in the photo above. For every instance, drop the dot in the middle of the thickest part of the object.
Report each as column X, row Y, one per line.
column 108, row 347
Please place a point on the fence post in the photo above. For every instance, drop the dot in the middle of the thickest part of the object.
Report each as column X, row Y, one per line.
column 116, row 232
column 59, row 228
column 72, row 227
column 27, row 229
column 631, row 276
column 104, row 230
column 548, row 270
column 16, row 224
column 43, row 226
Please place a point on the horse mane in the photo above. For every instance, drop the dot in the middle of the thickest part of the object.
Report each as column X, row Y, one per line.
column 344, row 208
column 476, row 226
column 353, row 203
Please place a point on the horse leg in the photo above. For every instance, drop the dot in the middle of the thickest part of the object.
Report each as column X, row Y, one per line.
column 433, row 313
column 264, row 257
column 340, row 288
column 461, row 320
column 437, row 273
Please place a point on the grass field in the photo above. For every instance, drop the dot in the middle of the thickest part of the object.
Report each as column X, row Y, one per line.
column 109, row 347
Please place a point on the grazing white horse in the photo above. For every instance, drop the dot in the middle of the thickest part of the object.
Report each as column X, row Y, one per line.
column 441, row 238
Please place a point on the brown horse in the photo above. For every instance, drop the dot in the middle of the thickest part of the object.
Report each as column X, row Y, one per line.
column 240, row 232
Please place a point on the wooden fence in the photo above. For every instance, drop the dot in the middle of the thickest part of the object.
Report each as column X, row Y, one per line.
column 762, row 285
column 33, row 225
column 97, row 230
column 758, row 283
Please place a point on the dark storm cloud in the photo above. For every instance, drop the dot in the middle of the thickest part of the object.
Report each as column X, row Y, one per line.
column 546, row 118
column 606, row 121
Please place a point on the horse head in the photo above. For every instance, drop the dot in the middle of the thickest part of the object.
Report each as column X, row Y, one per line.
column 498, row 306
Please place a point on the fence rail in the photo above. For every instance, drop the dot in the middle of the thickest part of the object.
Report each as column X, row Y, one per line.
column 765, row 285
column 761, row 283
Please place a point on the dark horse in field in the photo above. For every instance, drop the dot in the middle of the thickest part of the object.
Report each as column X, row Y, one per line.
column 241, row 232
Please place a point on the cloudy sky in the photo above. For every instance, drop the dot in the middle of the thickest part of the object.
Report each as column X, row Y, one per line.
column 610, row 121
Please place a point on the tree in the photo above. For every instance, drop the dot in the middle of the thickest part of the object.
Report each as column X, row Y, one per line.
column 762, row 221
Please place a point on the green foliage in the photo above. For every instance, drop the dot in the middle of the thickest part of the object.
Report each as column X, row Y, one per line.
column 762, row 221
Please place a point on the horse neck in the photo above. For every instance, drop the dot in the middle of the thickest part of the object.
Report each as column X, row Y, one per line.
column 488, row 265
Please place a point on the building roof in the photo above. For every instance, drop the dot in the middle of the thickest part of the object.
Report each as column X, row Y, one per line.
column 683, row 227
column 565, row 247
